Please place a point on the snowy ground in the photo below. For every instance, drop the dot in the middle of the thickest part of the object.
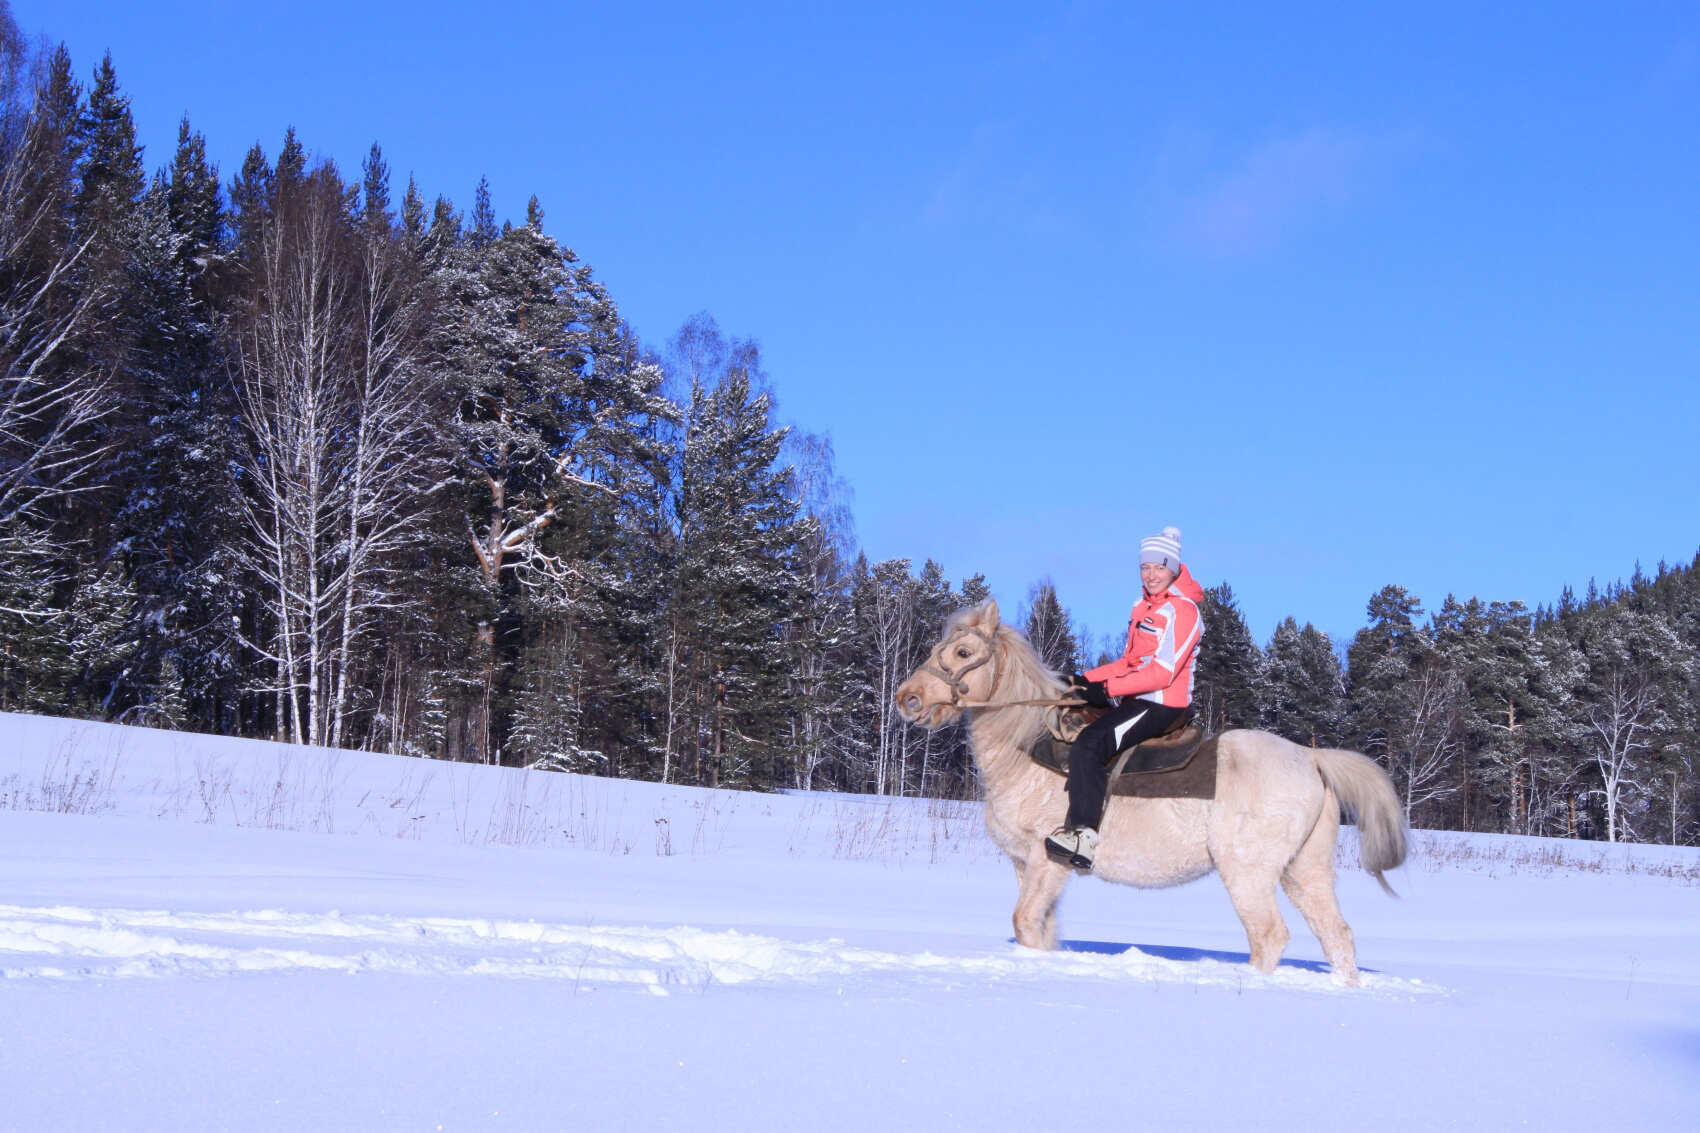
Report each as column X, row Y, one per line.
column 202, row 933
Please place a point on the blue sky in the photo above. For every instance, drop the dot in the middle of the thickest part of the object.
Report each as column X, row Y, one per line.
column 1351, row 297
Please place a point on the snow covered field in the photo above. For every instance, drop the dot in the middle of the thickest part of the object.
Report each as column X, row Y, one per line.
column 204, row 933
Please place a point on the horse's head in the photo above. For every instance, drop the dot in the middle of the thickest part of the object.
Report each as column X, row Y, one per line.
column 963, row 670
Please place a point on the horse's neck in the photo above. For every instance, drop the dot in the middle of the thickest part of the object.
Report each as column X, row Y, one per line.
column 1000, row 737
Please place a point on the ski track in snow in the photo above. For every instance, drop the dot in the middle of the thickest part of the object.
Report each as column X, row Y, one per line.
column 72, row 943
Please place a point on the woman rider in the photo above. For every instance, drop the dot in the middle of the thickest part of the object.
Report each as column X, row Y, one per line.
column 1154, row 679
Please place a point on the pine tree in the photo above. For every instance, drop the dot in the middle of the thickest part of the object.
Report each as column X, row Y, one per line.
column 102, row 647
column 110, row 175
column 1555, row 738
column 194, row 202
column 1229, row 666
column 109, row 224
column 941, row 755
column 549, row 726
column 413, row 222
column 250, row 202
column 974, row 590
column 1302, row 688
column 645, row 624
column 104, row 208
column 1046, row 625
column 291, row 161
column 1379, row 661
column 1496, row 649
column 35, row 632
column 46, row 162
column 64, row 646
column 550, row 413
column 177, row 513
column 1405, row 702
column 15, row 89
column 483, row 230
column 740, row 535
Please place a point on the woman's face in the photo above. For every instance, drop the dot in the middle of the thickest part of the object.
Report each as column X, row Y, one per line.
column 1157, row 577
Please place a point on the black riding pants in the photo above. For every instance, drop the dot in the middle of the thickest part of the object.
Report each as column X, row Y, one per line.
column 1098, row 745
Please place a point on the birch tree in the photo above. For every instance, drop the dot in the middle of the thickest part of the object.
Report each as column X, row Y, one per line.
column 1639, row 673
column 53, row 398
column 342, row 440
column 395, row 453
column 824, row 683
column 293, row 358
column 885, row 611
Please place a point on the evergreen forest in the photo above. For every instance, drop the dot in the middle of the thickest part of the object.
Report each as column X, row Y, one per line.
column 304, row 454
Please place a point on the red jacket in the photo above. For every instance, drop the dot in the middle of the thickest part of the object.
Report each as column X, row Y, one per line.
column 1162, row 638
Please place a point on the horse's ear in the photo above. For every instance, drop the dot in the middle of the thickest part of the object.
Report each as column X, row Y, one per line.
column 989, row 615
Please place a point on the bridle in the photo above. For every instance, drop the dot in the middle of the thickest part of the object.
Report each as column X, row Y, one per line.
column 958, row 683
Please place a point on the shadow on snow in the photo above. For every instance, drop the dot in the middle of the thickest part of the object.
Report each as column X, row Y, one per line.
column 1182, row 955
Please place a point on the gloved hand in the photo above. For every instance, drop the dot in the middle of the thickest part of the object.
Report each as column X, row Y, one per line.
column 1094, row 693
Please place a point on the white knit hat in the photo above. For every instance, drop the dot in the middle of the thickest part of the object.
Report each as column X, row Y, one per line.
column 1164, row 548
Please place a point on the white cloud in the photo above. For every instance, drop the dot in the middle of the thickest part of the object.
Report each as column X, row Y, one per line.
column 996, row 181
column 1277, row 188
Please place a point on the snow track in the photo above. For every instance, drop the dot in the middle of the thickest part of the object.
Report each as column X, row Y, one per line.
column 80, row 943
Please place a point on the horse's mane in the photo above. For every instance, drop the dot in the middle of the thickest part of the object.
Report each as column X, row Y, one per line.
column 954, row 622
column 1001, row 736
column 1019, row 654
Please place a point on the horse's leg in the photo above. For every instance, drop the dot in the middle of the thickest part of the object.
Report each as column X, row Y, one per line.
column 1251, row 887
column 1042, row 882
column 1309, row 882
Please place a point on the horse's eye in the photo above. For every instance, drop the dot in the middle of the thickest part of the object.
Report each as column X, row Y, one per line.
column 962, row 652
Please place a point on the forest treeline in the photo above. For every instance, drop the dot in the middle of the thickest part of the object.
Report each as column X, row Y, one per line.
column 300, row 455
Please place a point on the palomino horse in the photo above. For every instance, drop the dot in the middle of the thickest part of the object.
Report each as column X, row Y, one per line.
column 1273, row 821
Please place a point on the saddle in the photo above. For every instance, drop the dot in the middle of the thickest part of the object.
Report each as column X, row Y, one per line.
column 1179, row 764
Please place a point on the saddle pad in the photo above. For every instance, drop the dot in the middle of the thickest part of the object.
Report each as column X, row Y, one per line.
column 1171, row 770
column 1193, row 779
column 1160, row 753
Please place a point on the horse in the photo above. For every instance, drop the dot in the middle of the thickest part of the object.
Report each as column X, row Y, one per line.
column 1274, row 819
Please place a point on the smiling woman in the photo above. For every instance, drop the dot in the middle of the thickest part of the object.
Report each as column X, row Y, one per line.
column 1154, row 678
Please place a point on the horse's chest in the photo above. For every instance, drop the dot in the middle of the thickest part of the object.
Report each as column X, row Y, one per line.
column 1004, row 824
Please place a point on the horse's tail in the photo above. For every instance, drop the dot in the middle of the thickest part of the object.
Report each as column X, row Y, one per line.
column 1365, row 792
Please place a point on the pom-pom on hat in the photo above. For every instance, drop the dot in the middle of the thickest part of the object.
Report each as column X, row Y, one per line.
column 1164, row 548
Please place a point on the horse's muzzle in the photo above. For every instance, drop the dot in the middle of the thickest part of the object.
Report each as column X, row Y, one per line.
column 914, row 707
column 911, row 703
